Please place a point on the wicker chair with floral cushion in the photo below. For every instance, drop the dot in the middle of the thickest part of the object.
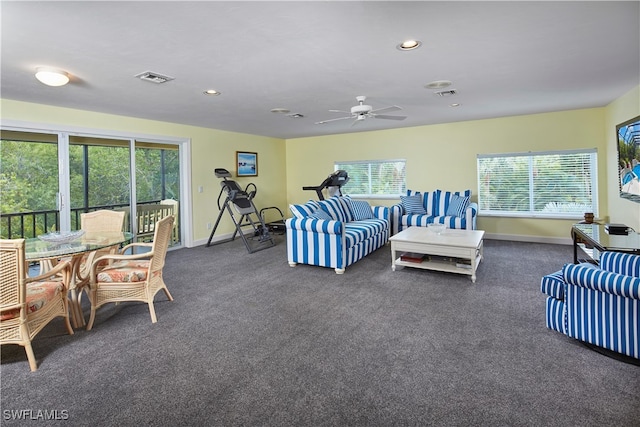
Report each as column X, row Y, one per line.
column 92, row 222
column 99, row 221
column 28, row 304
column 135, row 277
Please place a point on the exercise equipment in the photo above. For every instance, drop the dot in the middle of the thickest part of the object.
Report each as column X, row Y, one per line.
column 240, row 202
column 333, row 183
column 276, row 226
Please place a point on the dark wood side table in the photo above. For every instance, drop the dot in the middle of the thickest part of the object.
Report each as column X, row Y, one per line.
column 592, row 239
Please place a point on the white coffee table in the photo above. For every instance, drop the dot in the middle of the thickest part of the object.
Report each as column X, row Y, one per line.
column 454, row 251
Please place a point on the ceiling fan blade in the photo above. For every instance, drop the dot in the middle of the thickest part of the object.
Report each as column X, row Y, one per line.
column 384, row 116
column 333, row 120
column 339, row 111
column 355, row 122
column 386, row 109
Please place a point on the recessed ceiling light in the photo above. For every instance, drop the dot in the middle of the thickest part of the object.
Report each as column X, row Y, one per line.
column 280, row 110
column 295, row 116
column 409, row 45
column 455, row 104
column 438, row 84
column 52, row 76
column 212, row 92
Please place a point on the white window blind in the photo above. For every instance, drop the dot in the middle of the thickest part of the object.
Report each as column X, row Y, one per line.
column 374, row 178
column 550, row 184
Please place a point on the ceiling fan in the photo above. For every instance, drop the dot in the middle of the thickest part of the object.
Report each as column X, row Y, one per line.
column 361, row 111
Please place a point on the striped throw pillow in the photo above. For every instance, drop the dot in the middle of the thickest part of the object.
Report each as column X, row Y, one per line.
column 361, row 210
column 413, row 204
column 333, row 206
column 303, row 211
column 458, row 206
column 320, row 214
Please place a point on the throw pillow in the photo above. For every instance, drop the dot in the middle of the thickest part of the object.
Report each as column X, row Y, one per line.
column 320, row 214
column 333, row 206
column 413, row 205
column 361, row 210
column 458, row 206
column 303, row 211
column 346, row 207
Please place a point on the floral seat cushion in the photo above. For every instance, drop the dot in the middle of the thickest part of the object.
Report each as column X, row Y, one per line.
column 38, row 295
column 125, row 272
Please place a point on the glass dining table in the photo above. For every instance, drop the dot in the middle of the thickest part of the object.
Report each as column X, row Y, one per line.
column 49, row 252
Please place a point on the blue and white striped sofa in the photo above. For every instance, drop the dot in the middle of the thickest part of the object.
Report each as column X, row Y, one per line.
column 336, row 232
column 597, row 304
column 437, row 206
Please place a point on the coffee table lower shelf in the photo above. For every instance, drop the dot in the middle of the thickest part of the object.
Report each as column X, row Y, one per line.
column 442, row 265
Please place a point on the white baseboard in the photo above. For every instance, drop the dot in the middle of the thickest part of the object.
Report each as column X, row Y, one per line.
column 530, row 239
column 489, row 236
column 202, row 242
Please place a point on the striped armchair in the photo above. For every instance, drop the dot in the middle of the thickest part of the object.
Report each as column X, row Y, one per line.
column 597, row 304
column 335, row 233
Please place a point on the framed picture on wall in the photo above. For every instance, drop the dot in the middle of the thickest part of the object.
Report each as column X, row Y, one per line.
column 247, row 163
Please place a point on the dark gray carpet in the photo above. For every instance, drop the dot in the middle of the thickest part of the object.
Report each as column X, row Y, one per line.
column 251, row 341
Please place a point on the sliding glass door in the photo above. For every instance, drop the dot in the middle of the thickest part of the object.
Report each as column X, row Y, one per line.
column 48, row 180
column 158, row 177
column 29, row 184
column 99, row 175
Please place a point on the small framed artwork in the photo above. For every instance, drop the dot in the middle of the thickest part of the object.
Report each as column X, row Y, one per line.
column 247, row 163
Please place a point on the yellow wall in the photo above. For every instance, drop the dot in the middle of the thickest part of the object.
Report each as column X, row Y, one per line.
column 444, row 156
column 624, row 108
column 438, row 156
column 210, row 149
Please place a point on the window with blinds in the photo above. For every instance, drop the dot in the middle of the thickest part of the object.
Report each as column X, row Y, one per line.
column 549, row 184
column 374, row 178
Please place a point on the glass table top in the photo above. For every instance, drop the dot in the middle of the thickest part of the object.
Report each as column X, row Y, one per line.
column 598, row 234
column 36, row 248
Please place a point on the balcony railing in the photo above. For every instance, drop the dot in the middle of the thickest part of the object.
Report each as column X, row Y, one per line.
column 32, row 224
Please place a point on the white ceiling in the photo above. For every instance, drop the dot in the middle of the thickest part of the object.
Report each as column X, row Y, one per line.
column 504, row 59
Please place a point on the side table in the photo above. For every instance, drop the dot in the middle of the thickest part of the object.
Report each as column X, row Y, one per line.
column 593, row 239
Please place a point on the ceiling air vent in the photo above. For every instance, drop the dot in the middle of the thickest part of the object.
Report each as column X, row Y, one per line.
column 152, row 77
column 444, row 93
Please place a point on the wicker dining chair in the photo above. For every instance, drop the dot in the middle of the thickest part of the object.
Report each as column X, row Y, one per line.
column 131, row 277
column 28, row 304
column 92, row 222
column 99, row 221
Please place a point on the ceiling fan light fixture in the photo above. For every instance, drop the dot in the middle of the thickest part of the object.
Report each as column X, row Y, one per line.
column 362, row 111
column 409, row 45
column 52, row 76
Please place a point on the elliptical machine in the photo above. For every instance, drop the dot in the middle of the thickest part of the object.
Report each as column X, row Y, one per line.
column 242, row 202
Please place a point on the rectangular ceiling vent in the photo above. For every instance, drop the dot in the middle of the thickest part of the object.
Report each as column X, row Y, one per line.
column 152, row 77
column 444, row 93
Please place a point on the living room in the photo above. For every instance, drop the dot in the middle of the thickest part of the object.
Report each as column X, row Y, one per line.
column 265, row 344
